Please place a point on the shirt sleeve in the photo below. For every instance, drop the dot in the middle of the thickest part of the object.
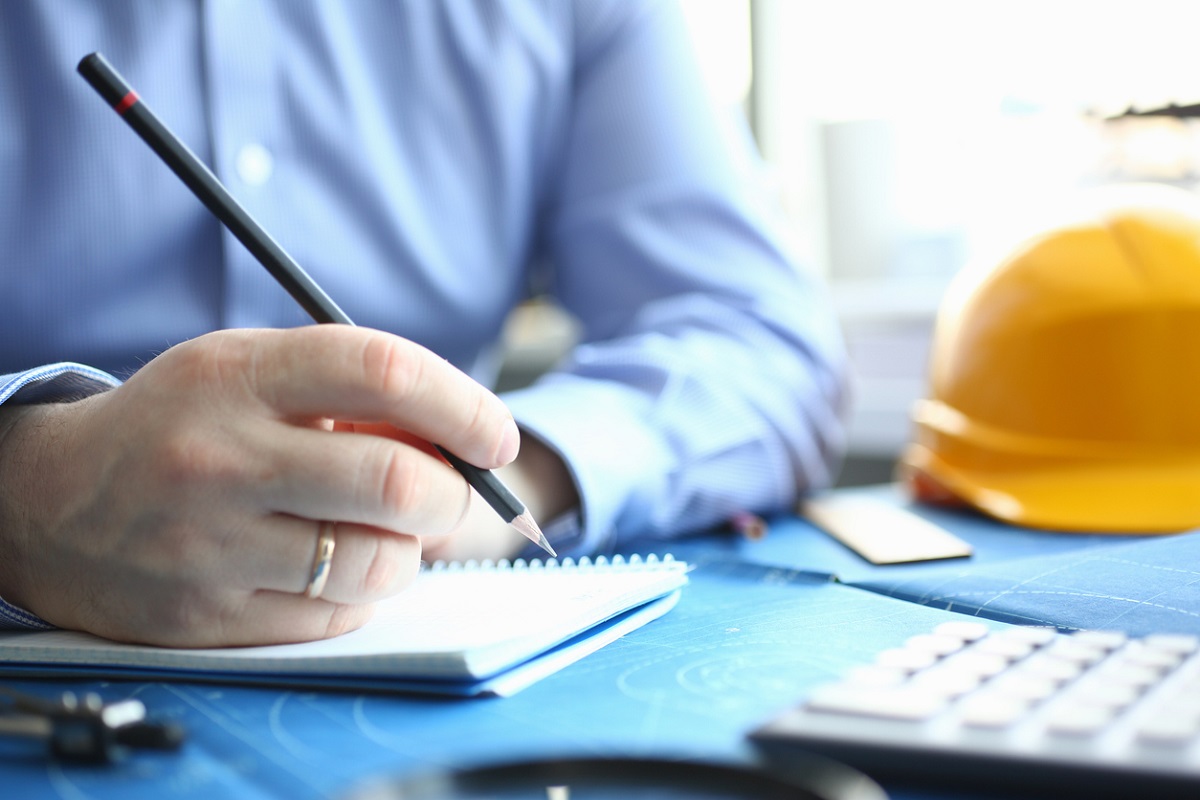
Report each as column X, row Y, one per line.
column 53, row 383
column 711, row 376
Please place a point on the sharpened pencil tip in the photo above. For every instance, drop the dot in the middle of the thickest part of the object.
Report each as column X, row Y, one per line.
column 530, row 530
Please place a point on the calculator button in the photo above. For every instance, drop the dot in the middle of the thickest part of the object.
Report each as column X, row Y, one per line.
column 905, row 659
column 1009, row 648
column 1034, row 635
column 1081, row 653
column 1052, row 669
column 992, row 711
column 1105, row 640
column 934, row 643
column 1169, row 729
column 965, row 631
column 1077, row 720
column 1172, row 642
column 985, row 665
column 1026, row 687
column 900, row 704
column 1152, row 658
column 946, row 681
column 1111, row 695
column 1134, row 675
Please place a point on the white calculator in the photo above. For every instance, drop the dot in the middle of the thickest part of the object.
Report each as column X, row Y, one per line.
column 1022, row 707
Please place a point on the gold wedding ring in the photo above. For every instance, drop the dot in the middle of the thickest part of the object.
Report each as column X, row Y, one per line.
column 321, row 562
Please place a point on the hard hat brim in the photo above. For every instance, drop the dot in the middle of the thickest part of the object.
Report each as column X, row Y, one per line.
column 1129, row 496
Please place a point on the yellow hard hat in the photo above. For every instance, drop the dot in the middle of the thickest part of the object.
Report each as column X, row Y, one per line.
column 1065, row 380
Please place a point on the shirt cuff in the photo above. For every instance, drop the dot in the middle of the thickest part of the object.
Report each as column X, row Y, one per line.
column 53, row 383
column 616, row 461
column 13, row 618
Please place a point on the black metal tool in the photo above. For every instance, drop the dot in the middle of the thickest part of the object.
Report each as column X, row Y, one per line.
column 85, row 728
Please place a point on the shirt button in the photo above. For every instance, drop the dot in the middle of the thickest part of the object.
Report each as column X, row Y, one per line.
column 254, row 164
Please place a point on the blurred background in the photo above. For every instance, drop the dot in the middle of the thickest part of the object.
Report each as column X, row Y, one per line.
column 907, row 139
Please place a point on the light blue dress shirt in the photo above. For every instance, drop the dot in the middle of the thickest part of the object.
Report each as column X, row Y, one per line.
column 431, row 164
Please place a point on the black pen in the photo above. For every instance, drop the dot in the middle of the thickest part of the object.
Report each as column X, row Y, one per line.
column 192, row 171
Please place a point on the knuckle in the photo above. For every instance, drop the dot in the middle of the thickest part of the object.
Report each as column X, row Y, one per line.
column 183, row 545
column 390, row 367
column 219, row 360
column 391, row 568
column 345, row 618
column 381, row 572
column 191, row 617
column 186, row 458
column 400, row 482
column 482, row 419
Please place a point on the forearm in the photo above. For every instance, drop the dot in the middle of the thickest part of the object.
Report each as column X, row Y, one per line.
column 669, row 434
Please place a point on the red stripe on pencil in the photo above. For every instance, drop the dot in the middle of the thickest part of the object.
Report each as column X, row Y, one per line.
column 126, row 102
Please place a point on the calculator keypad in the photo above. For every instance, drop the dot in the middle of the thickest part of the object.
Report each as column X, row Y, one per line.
column 1093, row 700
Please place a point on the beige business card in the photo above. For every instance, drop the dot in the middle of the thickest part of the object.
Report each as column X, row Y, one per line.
column 880, row 532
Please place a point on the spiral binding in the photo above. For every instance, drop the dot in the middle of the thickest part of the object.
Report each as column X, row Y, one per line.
column 634, row 563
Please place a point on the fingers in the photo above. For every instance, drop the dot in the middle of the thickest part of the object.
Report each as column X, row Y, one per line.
column 360, row 478
column 367, row 564
column 362, row 375
column 277, row 618
column 259, row 595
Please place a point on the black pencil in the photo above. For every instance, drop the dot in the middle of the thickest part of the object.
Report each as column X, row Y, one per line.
column 205, row 185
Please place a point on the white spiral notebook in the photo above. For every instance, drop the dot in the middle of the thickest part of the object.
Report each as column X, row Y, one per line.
column 464, row 629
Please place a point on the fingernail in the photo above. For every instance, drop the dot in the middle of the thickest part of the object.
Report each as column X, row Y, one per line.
column 510, row 443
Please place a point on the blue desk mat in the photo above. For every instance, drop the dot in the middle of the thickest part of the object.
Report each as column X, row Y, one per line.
column 1145, row 586
column 744, row 642
column 1136, row 584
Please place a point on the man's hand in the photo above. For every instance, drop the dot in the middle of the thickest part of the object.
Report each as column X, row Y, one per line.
column 183, row 508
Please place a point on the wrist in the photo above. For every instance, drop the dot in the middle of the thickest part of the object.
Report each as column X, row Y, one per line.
column 16, row 422
column 542, row 480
